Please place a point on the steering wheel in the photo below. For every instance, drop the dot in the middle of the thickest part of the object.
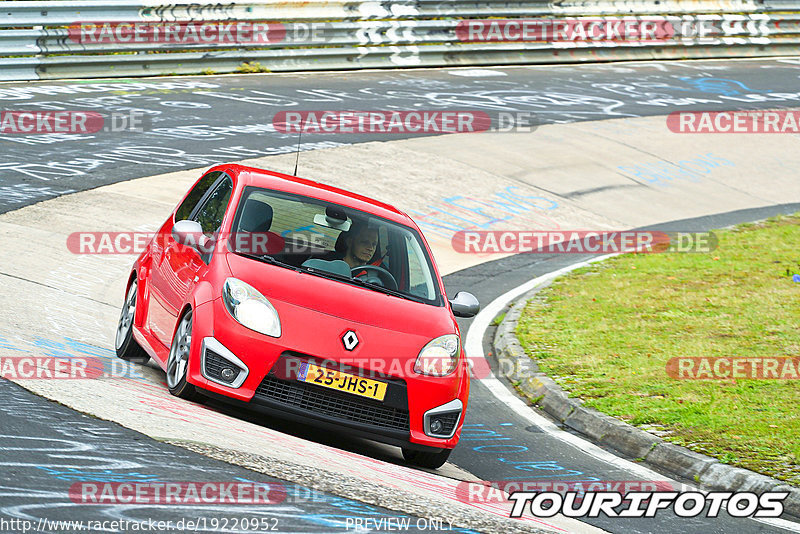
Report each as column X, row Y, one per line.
column 375, row 275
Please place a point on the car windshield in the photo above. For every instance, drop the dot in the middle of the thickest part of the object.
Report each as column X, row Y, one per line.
column 335, row 242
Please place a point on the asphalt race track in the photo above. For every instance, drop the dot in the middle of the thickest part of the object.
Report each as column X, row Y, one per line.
column 48, row 448
column 198, row 121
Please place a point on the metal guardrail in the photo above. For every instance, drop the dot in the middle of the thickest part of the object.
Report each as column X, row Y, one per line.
column 56, row 39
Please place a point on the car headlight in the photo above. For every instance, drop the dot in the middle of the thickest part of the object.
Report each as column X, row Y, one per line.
column 251, row 308
column 439, row 357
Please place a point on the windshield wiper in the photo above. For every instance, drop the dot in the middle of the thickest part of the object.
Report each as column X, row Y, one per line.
column 266, row 258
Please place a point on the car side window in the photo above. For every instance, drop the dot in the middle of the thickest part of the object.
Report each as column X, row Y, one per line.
column 213, row 210
column 195, row 195
column 418, row 272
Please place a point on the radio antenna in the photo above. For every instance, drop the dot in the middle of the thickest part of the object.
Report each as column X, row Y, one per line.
column 297, row 153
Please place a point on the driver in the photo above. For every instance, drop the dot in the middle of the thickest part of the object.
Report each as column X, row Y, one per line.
column 360, row 247
column 361, row 244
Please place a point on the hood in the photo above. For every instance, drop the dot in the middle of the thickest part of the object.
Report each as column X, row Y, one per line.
column 340, row 299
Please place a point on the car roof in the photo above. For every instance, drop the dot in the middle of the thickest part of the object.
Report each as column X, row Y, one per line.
column 252, row 176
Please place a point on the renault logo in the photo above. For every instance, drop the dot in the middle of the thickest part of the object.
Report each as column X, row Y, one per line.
column 350, row 340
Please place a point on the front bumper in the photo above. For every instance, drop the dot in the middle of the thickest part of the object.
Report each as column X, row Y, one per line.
column 264, row 368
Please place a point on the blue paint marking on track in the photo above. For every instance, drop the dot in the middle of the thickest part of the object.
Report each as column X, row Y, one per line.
column 718, row 86
column 103, row 475
column 481, row 432
column 70, row 349
column 459, row 212
column 661, row 172
column 6, row 344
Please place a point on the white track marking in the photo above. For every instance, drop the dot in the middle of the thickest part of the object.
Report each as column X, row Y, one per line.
column 474, row 349
column 476, row 73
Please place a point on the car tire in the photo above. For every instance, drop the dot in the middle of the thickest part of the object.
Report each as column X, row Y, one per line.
column 127, row 348
column 178, row 360
column 431, row 460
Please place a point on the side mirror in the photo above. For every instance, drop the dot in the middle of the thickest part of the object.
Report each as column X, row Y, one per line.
column 465, row 305
column 190, row 233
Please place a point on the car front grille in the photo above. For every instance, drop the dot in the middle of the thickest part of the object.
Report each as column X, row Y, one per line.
column 319, row 401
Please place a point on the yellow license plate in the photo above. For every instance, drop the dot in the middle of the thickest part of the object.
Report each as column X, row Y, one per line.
column 333, row 379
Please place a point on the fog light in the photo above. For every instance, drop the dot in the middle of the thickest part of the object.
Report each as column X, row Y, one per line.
column 436, row 426
column 228, row 374
column 442, row 422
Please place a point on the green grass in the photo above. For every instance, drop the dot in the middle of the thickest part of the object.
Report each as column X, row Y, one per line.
column 606, row 338
column 499, row 319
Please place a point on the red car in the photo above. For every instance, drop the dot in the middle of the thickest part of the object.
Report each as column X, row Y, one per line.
column 304, row 301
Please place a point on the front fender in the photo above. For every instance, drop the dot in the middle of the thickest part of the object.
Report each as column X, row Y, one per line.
column 203, row 292
column 202, row 326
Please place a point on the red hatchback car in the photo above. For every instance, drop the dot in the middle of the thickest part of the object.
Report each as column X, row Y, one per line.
column 304, row 301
